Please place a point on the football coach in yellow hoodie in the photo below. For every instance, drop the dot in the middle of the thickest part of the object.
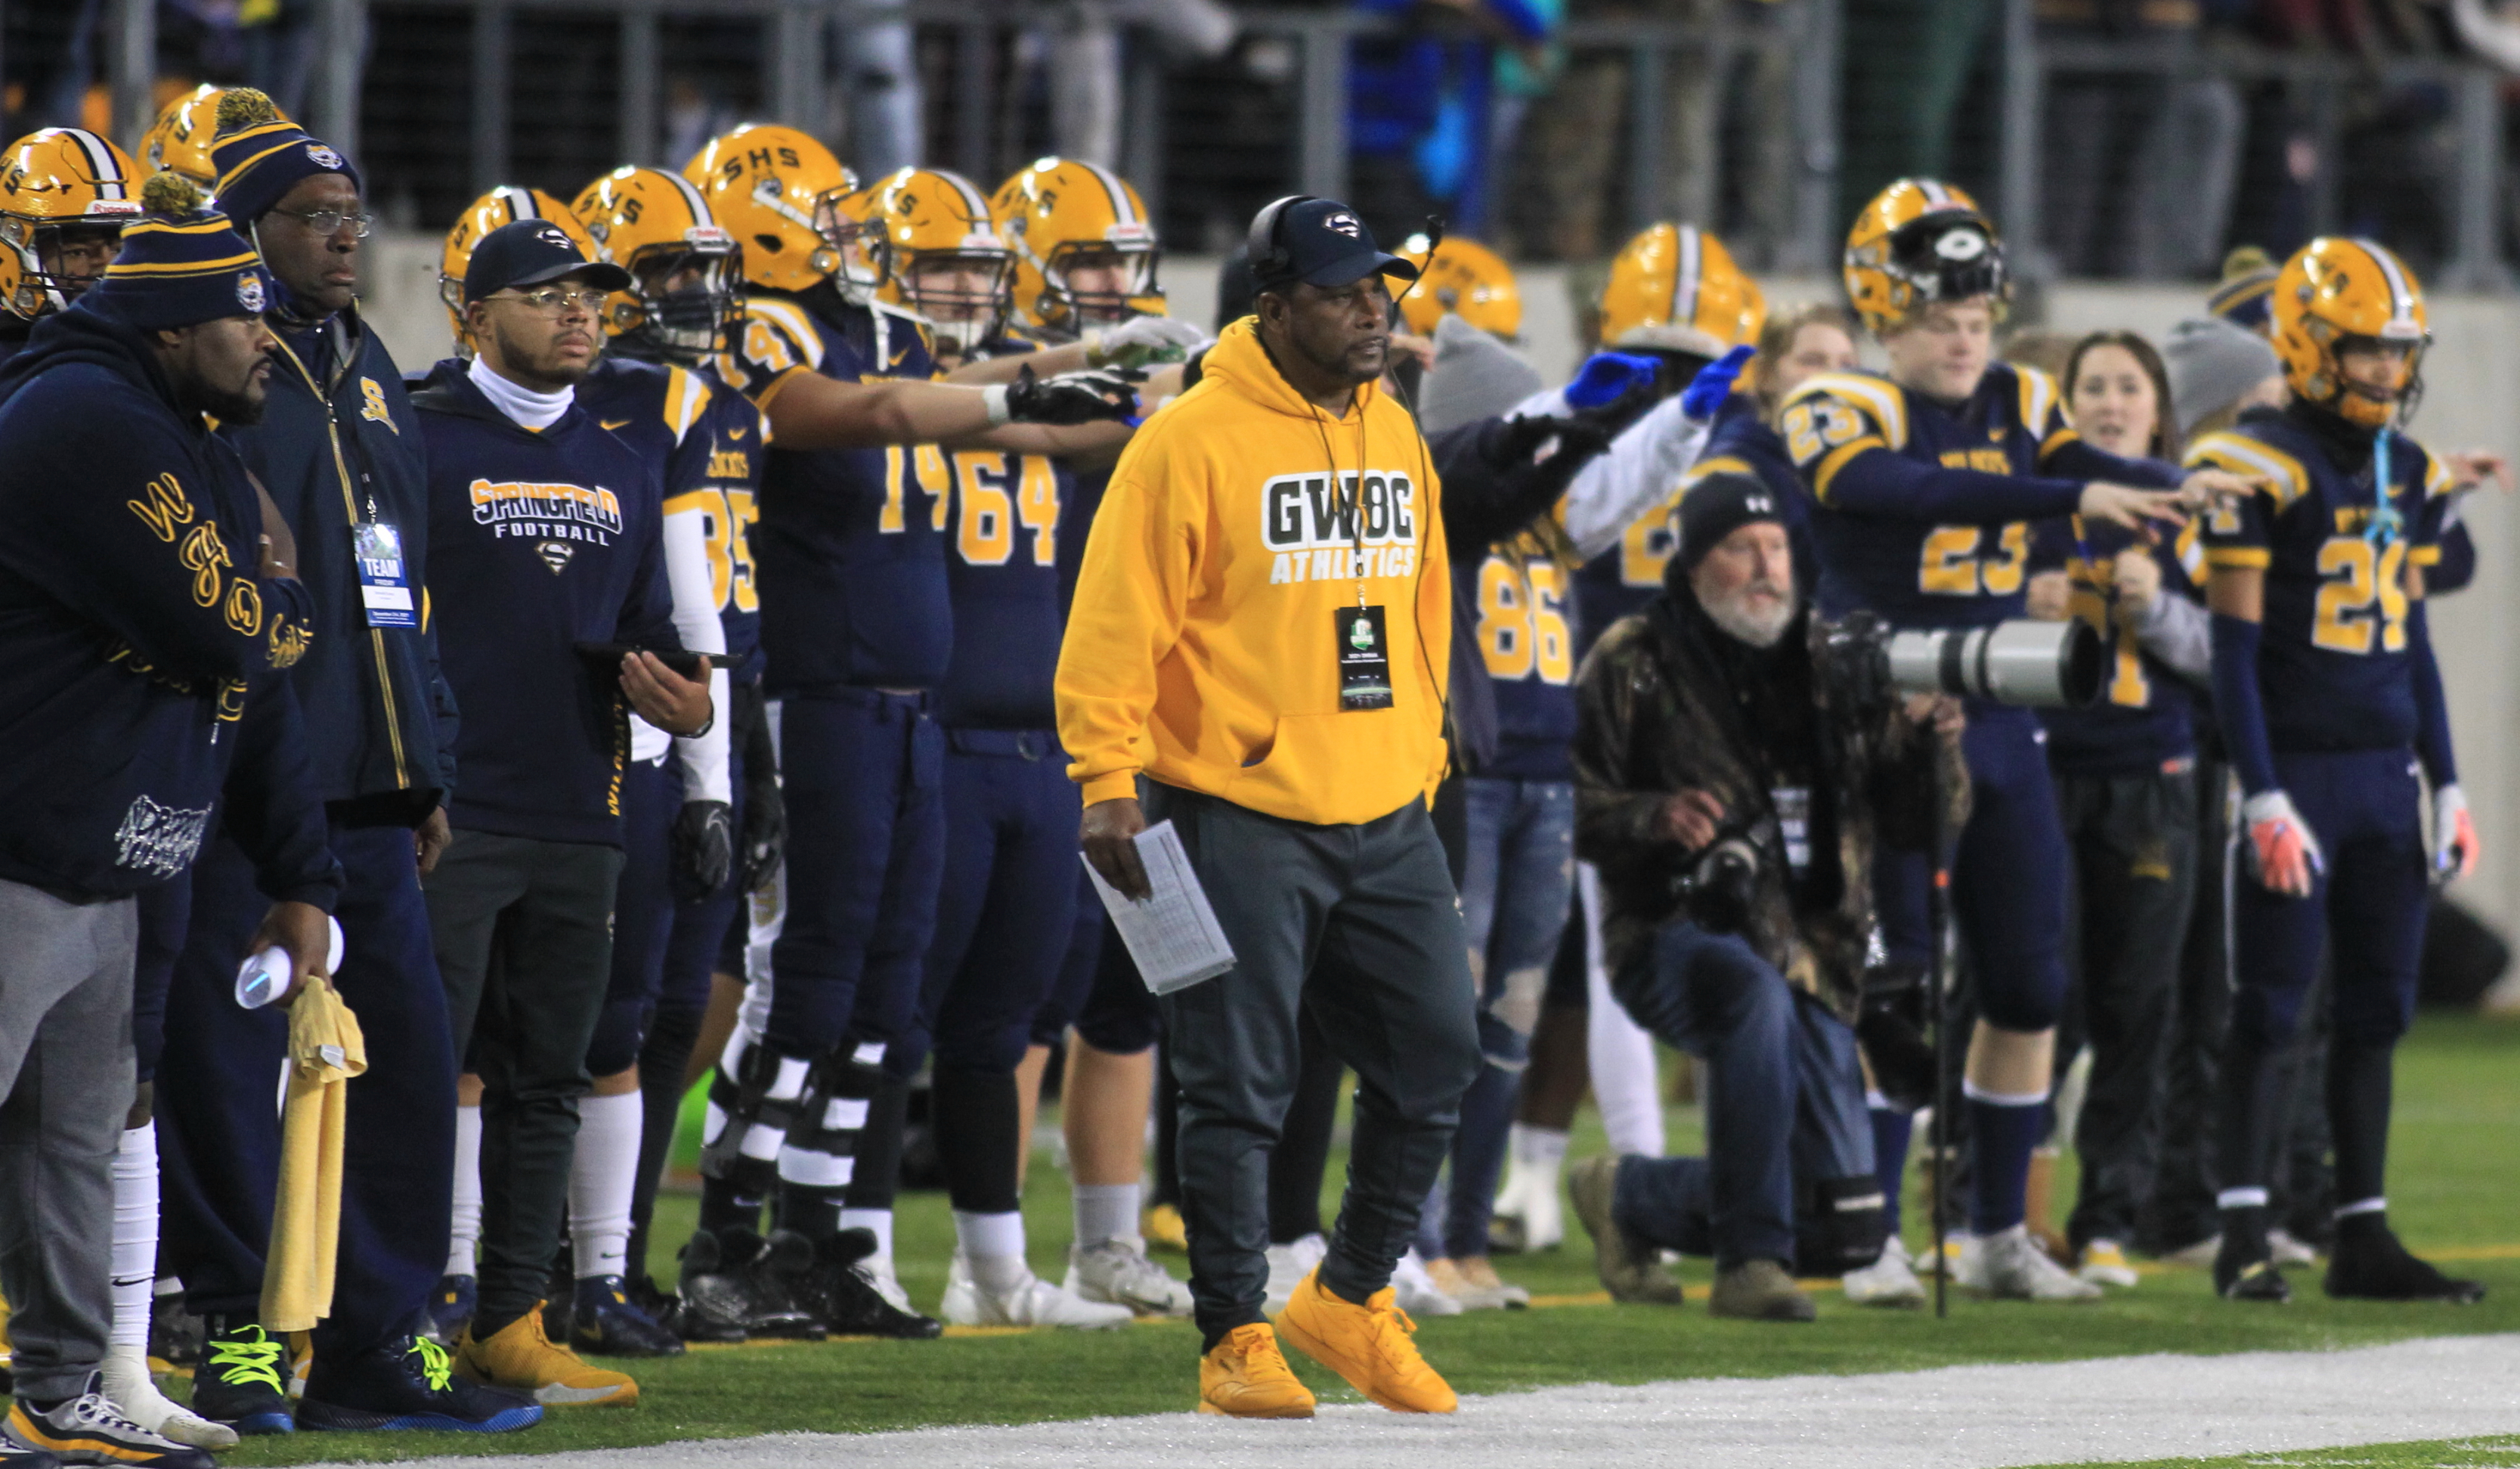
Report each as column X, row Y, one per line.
column 1257, row 652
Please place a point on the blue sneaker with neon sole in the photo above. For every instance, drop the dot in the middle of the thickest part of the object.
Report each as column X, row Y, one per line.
column 407, row 1383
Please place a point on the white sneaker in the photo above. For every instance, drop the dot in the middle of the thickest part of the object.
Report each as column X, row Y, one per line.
column 128, row 1383
column 1417, row 1293
column 879, row 1273
column 1034, row 1302
column 2285, row 1249
column 2198, row 1255
column 1118, row 1272
column 1531, row 1201
column 2010, row 1265
column 2105, row 1263
column 1476, row 1285
column 1288, row 1264
column 1888, row 1281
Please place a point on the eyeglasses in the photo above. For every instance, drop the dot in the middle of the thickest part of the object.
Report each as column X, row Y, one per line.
column 329, row 221
column 559, row 300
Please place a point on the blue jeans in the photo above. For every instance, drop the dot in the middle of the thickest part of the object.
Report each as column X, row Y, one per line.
column 1784, row 1098
column 1517, row 879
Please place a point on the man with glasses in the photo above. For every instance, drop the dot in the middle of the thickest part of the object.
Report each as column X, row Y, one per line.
column 548, row 581
column 339, row 450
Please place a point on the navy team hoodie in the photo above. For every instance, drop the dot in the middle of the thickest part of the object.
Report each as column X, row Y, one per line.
column 133, row 623
column 537, row 542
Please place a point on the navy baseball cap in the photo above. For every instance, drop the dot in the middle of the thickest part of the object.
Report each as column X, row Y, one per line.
column 1319, row 242
column 531, row 253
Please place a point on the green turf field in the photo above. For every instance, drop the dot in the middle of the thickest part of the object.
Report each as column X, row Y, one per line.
column 2430, row 1453
column 2457, row 1148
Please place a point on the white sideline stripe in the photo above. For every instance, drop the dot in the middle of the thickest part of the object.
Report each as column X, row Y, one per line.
column 1980, row 1417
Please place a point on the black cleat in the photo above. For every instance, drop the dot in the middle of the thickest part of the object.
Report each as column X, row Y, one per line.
column 2258, row 1280
column 2369, row 1263
column 828, row 1282
column 407, row 1383
column 242, row 1380
column 604, row 1321
column 729, row 1293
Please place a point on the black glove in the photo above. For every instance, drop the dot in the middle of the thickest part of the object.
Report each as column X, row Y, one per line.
column 1891, row 1026
column 765, row 809
column 1096, row 395
column 1520, row 446
column 704, row 848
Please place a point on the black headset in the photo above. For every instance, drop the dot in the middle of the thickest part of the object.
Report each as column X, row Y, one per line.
column 1271, row 263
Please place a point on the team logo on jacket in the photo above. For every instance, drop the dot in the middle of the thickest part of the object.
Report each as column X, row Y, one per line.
column 249, row 292
column 372, row 405
column 546, row 511
column 159, row 839
column 324, row 156
column 555, row 555
column 1363, row 524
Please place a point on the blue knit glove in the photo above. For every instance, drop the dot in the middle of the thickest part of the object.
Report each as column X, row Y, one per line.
column 1712, row 383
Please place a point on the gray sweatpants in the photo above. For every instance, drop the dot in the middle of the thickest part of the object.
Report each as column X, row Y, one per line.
column 66, row 1070
column 1360, row 925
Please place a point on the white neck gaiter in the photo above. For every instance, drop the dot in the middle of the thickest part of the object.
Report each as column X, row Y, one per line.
column 533, row 410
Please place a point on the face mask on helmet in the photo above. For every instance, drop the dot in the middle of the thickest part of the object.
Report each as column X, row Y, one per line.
column 2387, row 381
column 1100, row 282
column 963, row 296
column 1947, row 258
column 682, row 301
column 853, row 253
column 56, row 262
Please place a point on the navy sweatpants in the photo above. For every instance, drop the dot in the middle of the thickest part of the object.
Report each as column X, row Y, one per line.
column 643, row 914
column 218, row 1124
column 2368, row 910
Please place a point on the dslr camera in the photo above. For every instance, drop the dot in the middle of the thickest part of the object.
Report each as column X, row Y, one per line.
column 1867, row 663
column 1720, row 886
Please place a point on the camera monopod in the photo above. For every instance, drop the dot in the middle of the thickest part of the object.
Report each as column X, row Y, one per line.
column 1938, row 912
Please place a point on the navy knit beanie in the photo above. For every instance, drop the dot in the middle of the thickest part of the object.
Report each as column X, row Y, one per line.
column 180, row 266
column 261, row 155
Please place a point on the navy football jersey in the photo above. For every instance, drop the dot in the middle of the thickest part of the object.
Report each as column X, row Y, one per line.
column 709, row 439
column 1518, row 594
column 850, row 544
column 2334, row 669
column 1004, row 577
column 2145, row 716
column 1924, row 550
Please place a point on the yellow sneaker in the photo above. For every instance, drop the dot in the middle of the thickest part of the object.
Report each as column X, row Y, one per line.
column 522, row 1360
column 1369, row 1345
column 1163, row 1229
column 1246, row 1376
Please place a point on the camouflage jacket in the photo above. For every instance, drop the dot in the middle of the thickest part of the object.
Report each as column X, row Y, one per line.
column 1663, row 707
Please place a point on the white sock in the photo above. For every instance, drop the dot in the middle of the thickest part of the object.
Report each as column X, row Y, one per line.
column 1626, row 1087
column 601, row 1175
column 1107, row 1211
column 879, row 1220
column 1539, row 1147
column 467, row 1192
column 993, row 1244
column 135, row 1234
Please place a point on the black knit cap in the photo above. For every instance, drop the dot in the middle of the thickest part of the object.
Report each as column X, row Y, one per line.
column 1716, row 506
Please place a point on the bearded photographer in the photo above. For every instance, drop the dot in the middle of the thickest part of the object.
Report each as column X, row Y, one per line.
column 1734, row 774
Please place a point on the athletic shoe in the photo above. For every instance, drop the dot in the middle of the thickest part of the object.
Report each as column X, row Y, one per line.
column 2197, row 1257
column 2285, row 1249
column 1369, row 1345
column 1528, row 1218
column 1288, row 1264
column 605, row 1321
column 2244, row 1267
column 407, row 1383
column 729, row 1293
column 878, row 1271
column 830, row 1283
column 1760, row 1290
column 1118, row 1271
column 1418, row 1294
column 2370, row 1265
column 450, row 1311
column 1890, row 1281
column 1163, row 1229
column 521, row 1358
column 16, row 1455
column 241, row 1381
column 2104, row 1263
column 89, row 1429
column 1033, row 1303
column 128, row 1383
column 174, row 1333
column 2010, row 1265
column 1246, row 1376
column 1630, row 1269
column 1475, row 1284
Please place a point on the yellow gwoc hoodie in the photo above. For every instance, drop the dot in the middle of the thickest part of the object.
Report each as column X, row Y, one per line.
column 1201, row 649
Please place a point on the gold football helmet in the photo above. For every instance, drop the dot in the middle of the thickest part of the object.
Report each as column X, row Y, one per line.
column 180, row 140
column 1919, row 242
column 1673, row 288
column 63, row 200
column 686, row 272
column 776, row 189
column 2335, row 293
column 504, row 204
column 940, row 255
column 1063, row 215
column 1462, row 278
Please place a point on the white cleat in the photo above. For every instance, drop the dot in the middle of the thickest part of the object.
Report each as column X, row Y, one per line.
column 2286, row 1251
column 1417, row 1293
column 1890, row 1281
column 1117, row 1272
column 2104, row 1262
column 1034, row 1302
column 1288, row 1264
column 128, row 1383
column 2009, row 1265
column 1531, row 1203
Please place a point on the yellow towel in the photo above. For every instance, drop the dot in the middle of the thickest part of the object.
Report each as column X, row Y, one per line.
column 325, row 1051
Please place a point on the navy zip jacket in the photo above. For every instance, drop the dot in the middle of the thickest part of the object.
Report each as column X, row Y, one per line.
column 538, row 543
column 133, row 623
column 339, row 444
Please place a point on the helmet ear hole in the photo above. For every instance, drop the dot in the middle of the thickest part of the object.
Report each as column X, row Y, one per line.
column 768, row 244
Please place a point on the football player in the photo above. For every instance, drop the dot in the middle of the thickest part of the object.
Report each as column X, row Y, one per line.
column 1928, row 481
column 64, row 196
column 2331, row 706
column 857, row 624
